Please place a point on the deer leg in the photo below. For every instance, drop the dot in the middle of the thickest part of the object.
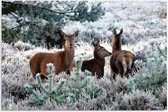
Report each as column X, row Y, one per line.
column 127, row 67
column 43, row 77
column 124, row 68
column 113, row 75
column 52, row 45
column 48, row 45
column 60, row 46
column 68, row 72
column 43, row 73
column 121, row 72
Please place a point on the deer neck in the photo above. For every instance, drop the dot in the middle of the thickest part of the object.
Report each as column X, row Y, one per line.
column 68, row 56
column 100, row 58
column 116, row 44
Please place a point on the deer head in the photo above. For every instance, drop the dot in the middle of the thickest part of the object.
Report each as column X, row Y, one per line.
column 69, row 39
column 116, row 39
column 99, row 50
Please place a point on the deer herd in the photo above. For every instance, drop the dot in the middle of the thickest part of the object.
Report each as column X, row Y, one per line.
column 121, row 61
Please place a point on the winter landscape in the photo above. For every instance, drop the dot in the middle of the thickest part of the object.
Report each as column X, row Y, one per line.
column 144, row 34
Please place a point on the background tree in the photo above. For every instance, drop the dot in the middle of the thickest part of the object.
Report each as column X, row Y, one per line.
column 35, row 18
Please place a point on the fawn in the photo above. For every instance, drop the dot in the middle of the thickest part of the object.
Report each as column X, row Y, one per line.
column 50, row 42
column 96, row 65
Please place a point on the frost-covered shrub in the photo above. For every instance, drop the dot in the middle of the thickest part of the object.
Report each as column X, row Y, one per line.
column 140, row 24
column 88, row 35
column 154, row 72
column 161, row 94
column 6, row 103
column 140, row 56
column 15, row 72
column 120, row 84
column 7, row 51
column 138, row 100
column 13, row 83
column 66, row 90
column 20, row 45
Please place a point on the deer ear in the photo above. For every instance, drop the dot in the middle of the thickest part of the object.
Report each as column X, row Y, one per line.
column 76, row 33
column 98, row 46
column 98, row 43
column 114, row 31
column 121, row 31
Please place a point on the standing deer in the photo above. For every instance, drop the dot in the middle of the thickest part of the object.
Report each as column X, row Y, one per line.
column 50, row 42
column 62, row 60
column 96, row 65
column 121, row 61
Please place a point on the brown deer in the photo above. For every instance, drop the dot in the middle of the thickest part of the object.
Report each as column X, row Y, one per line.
column 50, row 42
column 62, row 60
column 121, row 61
column 96, row 65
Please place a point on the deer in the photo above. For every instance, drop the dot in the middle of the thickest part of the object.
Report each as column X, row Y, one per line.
column 50, row 42
column 62, row 60
column 121, row 61
column 96, row 65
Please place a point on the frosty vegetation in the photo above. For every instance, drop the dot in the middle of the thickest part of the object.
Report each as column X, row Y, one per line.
column 144, row 34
